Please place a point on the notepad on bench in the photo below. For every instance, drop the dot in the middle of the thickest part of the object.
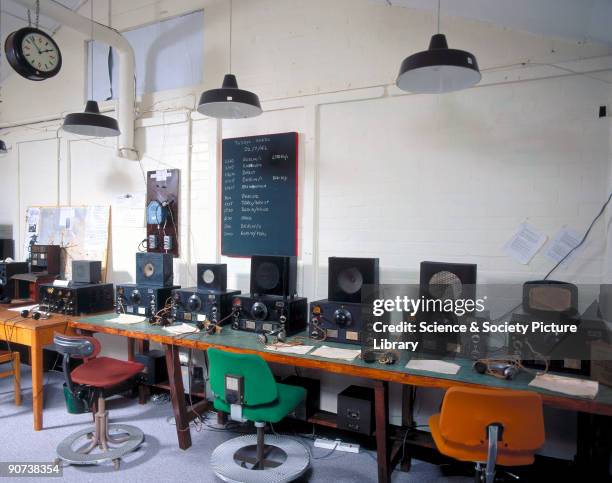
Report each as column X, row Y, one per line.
column 127, row 319
column 290, row 348
column 181, row 329
column 566, row 385
column 335, row 353
column 432, row 365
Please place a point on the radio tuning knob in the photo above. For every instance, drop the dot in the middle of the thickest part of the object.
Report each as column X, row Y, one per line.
column 343, row 317
column 259, row 311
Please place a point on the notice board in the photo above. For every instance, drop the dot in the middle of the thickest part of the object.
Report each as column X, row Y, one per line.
column 81, row 231
column 259, row 192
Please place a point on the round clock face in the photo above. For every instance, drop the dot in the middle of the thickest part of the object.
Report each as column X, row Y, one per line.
column 33, row 54
column 40, row 51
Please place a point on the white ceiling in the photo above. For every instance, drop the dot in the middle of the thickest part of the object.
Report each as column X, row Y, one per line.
column 15, row 15
column 576, row 20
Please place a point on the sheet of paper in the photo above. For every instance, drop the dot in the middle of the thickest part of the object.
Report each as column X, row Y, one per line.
column 566, row 385
column 127, row 319
column 432, row 365
column 565, row 240
column 525, row 243
column 181, row 329
column 290, row 349
column 32, row 227
column 129, row 209
column 66, row 214
column 335, row 353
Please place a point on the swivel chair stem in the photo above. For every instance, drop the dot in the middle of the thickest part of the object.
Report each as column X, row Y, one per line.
column 492, row 453
column 260, row 447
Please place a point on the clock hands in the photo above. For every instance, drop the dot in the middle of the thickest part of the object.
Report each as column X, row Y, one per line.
column 30, row 41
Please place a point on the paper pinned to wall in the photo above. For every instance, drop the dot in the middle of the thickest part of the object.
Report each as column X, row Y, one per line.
column 32, row 226
column 128, row 210
column 565, row 240
column 525, row 243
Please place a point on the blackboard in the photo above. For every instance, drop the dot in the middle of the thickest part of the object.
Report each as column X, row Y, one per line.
column 259, row 191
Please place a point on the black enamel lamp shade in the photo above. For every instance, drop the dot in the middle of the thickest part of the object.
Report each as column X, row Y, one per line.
column 438, row 69
column 91, row 122
column 229, row 102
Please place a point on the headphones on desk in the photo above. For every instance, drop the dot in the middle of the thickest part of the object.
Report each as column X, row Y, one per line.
column 387, row 358
column 35, row 313
column 276, row 335
column 501, row 368
column 209, row 329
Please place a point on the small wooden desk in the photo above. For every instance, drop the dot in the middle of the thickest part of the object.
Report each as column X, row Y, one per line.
column 35, row 334
column 387, row 453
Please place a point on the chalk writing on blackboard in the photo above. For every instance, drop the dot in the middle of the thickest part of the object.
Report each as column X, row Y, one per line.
column 259, row 195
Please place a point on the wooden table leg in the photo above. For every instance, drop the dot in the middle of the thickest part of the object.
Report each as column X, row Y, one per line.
column 17, row 377
column 408, row 393
column 383, row 453
column 142, row 347
column 177, row 393
column 594, row 445
column 36, row 361
column 131, row 343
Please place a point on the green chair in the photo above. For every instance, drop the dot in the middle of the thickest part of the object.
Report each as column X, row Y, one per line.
column 244, row 387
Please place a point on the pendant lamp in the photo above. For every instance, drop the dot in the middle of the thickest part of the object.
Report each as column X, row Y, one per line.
column 438, row 69
column 91, row 122
column 229, row 102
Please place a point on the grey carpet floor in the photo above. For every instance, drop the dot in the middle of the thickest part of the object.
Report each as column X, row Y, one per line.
column 159, row 459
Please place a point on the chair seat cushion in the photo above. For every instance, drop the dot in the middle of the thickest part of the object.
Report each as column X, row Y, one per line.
column 103, row 372
column 289, row 397
column 463, row 452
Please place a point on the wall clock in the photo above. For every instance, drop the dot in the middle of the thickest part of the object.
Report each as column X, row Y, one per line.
column 33, row 54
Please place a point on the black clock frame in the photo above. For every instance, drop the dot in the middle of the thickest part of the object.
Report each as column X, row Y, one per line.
column 17, row 60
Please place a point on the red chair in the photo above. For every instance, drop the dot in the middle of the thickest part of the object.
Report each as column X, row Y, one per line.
column 88, row 385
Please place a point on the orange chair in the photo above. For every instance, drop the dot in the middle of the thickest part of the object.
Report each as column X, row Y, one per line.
column 489, row 426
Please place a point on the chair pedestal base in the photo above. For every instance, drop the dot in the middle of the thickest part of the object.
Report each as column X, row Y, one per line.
column 259, row 458
column 87, row 447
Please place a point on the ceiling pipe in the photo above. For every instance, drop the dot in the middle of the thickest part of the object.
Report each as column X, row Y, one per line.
column 102, row 33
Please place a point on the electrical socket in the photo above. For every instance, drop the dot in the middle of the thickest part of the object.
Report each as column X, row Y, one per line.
column 336, row 444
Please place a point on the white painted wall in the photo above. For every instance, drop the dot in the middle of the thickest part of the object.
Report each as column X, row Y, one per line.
column 401, row 177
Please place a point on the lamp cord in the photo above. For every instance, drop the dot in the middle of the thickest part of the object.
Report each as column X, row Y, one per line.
column 230, row 36
column 584, row 237
column 91, row 61
column 438, row 16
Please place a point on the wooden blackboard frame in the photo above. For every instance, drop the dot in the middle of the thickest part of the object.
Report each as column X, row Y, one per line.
column 220, row 196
